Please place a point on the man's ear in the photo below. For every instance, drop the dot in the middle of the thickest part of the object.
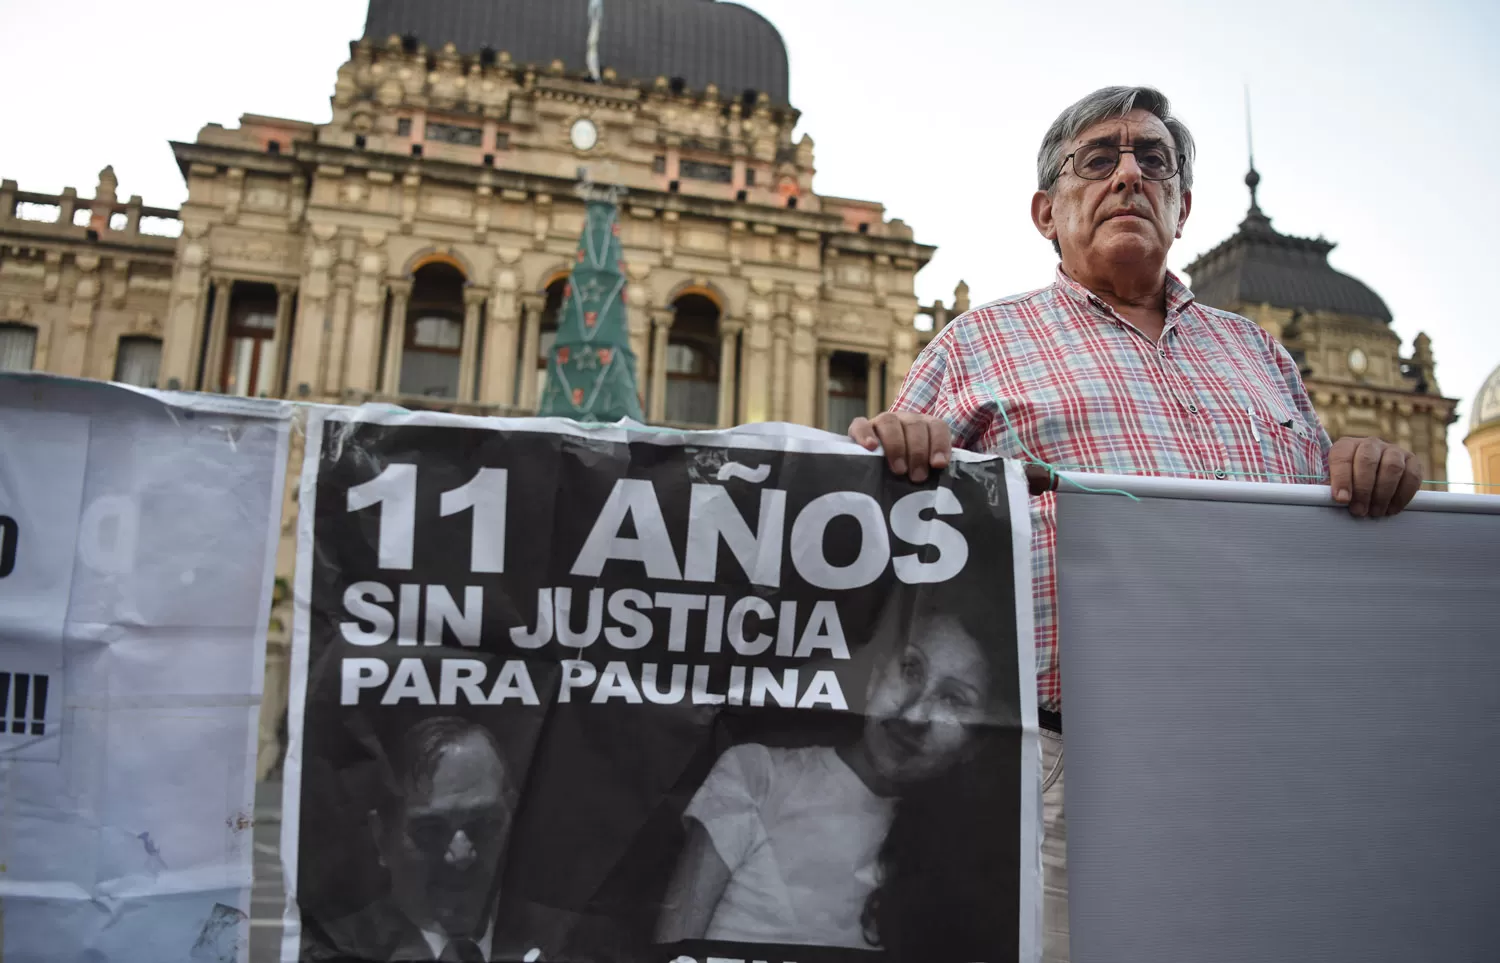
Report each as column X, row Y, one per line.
column 1186, row 208
column 1041, row 215
column 377, row 835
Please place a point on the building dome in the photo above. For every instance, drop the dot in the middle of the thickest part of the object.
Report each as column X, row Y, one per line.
column 1260, row 265
column 699, row 41
column 1487, row 403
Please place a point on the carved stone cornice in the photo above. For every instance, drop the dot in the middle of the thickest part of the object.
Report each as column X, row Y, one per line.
column 307, row 158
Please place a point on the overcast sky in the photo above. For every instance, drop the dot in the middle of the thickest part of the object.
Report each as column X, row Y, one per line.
column 1375, row 122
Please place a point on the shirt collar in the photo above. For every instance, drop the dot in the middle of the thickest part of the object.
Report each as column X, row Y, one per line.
column 437, row 940
column 1179, row 296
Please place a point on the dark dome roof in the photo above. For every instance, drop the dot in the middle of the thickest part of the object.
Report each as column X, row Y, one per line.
column 1258, row 264
column 701, row 41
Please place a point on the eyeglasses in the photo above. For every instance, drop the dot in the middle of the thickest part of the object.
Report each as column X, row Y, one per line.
column 1097, row 162
column 434, row 833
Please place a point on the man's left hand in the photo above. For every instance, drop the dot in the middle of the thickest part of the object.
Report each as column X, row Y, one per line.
column 1372, row 477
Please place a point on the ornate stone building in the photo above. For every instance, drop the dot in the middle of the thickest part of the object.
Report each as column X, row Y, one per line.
column 414, row 248
column 1337, row 328
column 1483, row 440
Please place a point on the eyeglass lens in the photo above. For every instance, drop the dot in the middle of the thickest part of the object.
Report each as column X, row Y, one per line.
column 1098, row 161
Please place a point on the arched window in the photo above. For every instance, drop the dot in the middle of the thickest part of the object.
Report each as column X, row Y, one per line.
column 848, row 389
column 138, row 360
column 17, row 346
column 547, row 335
column 692, row 363
column 432, row 355
column 250, row 350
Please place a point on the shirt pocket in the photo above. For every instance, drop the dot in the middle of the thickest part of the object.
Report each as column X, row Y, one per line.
column 1286, row 448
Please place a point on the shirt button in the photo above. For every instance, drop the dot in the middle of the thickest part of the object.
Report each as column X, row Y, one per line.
column 1193, row 409
column 1161, row 352
column 1220, row 474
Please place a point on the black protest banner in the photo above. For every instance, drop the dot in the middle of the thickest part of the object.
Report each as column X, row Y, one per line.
column 594, row 695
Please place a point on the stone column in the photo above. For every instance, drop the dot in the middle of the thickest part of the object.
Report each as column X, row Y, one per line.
column 781, row 372
column 280, row 354
column 67, row 205
column 390, row 377
column 638, row 318
column 755, row 372
column 312, row 314
column 105, row 197
column 72, row 356
column 211, row 378
column 531, row 341
column 903, row 353
column 729, row 349
column 874, row 385
column 1437, row 465
column 185, row 309
column 802, row 395
column 362, row 357
column 336, row 347
column 501, row 338
column 661, row 330
column 468, row 363
column 960, row 299
column 133, row 211
column 825, row 375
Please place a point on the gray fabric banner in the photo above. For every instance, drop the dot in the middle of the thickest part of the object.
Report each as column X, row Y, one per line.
column 1282, row 730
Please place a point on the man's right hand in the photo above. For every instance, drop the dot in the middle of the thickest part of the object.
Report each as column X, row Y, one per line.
column 913, row 443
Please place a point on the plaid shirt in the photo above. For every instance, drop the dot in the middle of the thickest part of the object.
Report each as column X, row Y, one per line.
column 1216, row 397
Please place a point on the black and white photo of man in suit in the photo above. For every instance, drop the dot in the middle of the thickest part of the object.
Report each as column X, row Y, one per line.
column 441, row 831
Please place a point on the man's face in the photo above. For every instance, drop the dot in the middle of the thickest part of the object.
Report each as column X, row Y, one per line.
column 1122, row 219
column 444, row 851
column 924, row 703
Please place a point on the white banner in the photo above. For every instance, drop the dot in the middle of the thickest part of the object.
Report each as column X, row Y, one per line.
column 138, row 534
column 1281, row 723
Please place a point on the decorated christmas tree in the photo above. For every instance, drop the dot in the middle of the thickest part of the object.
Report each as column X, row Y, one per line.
column 591, row 374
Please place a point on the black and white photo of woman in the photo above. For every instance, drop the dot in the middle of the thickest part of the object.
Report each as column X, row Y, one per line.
column 898, row 841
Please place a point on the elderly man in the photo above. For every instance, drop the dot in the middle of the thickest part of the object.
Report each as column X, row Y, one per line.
column 1114, row 366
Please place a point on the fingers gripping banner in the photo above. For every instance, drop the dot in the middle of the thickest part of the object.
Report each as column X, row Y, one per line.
column 627, row 695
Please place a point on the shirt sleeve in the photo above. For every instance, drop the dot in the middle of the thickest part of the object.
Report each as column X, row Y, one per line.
column 731, row 800
column 930, row 388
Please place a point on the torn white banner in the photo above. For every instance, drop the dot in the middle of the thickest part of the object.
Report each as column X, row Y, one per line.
column 141, row 560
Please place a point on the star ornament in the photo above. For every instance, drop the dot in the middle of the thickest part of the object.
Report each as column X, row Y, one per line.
column 587, row 360
column 591, row 289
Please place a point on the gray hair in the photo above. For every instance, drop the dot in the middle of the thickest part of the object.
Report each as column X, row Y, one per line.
column 413, row 760
column 1106, row 104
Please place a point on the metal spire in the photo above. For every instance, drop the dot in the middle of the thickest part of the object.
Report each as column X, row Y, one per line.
column 1252, row 179
column 596, row 21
